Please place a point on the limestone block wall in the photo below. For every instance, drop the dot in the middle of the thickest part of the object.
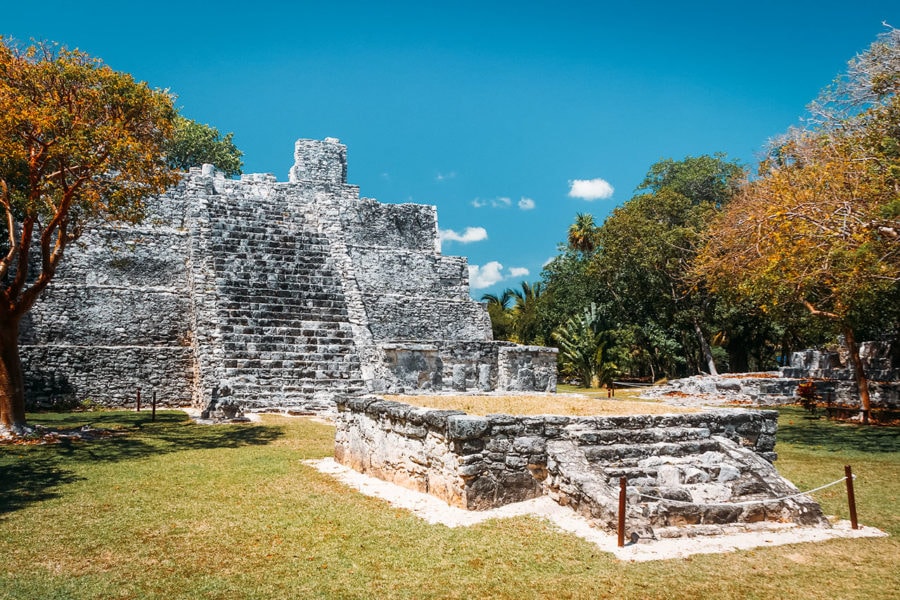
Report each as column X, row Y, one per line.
column 117, row 317
column 480, row 462
column 527, row 368
column 409, row 290
column 474, row 366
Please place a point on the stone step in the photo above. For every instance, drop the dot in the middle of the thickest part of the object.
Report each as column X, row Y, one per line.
column 641, row 436
column 629, row 454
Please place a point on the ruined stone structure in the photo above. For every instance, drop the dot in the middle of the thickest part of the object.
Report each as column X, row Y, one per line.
column 830, row 372
column 686, row 474
column 270, row 294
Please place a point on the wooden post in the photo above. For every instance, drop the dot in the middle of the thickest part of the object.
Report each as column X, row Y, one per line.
column 621, row 528
column 153, row 414
column 139, row 400
column 851, row 497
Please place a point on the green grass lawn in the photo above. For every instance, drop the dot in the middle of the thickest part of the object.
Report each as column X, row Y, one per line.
column 175, row 510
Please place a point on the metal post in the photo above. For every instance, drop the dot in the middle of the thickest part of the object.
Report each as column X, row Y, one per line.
column 153, row 414
column 851, row 498
column 139, row 400
column 621, row 528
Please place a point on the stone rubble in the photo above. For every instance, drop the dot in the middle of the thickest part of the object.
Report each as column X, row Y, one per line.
column 833, row 380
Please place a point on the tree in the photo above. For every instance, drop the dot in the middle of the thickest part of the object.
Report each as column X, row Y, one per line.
column 524, row 312
column 819, row 227
column 645, row 248
column 582, row 348
column 195, row 144
column 78, row 141
column 582, row 233
column 498, row 311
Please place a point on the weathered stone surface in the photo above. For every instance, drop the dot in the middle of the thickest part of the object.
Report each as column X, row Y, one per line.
column 677, row 471
column 274, row 295
column 830, row 372
column 466, row 427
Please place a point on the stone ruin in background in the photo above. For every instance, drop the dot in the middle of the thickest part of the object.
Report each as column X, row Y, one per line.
column 268, row 295
column 830, row 372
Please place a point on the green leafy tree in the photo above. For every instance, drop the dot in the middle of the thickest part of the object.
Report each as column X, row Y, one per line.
column 195, row 144
column 524, row 313
column 645, row 249
column 78, row 141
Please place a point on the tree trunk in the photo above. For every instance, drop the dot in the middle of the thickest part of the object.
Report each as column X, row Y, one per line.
column 862, row 382
column 738, row 357
column 12, row 381
column 704, row 347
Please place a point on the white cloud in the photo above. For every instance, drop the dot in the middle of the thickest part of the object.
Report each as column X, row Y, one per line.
column 501, row 202
column 471, row 234
column 548, row 261
column 486, row 276
column 519, row 272
column 445, row 176
column 590, row 189
column 526, row 203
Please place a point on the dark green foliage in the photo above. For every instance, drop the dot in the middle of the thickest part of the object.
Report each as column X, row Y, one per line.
column 196, row 144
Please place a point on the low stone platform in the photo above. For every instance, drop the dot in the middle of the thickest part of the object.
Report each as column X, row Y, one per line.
column 682, row 470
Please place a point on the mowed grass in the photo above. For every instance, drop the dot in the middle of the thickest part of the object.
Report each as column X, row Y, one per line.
column 176, row 510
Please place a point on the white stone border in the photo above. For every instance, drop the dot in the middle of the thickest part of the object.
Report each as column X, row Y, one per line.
column 435, row 511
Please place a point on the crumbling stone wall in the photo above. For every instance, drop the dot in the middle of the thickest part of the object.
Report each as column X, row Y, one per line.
column 460, row 366
column 697, row 463
column 273, row 294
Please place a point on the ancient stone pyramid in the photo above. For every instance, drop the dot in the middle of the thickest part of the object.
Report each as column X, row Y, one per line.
column 273, row 294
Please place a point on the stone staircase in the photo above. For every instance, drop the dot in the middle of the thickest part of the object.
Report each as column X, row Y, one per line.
column 283, row 329
column 680, row 481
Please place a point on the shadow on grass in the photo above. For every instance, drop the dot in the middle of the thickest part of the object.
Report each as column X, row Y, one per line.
column 797, row 428
column 33, row 473
column 31, row 480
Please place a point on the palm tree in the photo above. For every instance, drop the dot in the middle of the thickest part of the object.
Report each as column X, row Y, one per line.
column 582, row 349
column 499, row 311
column 501, row 301
column 524, row 311
column 582, row 233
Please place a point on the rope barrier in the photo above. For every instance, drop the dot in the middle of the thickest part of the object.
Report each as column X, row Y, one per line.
column 750, row 502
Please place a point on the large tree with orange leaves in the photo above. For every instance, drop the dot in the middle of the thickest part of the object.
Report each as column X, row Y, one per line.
column 820, row 225
column 78, row 141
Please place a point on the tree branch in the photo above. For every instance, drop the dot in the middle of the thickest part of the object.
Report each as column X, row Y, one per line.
column 819, row 313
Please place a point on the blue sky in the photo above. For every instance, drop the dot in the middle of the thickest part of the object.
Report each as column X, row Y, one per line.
column 490, row 110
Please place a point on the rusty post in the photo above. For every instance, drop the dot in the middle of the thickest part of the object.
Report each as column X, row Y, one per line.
column 851, row 497
column 621, row 528
column 153, row 414
column 139, row 400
